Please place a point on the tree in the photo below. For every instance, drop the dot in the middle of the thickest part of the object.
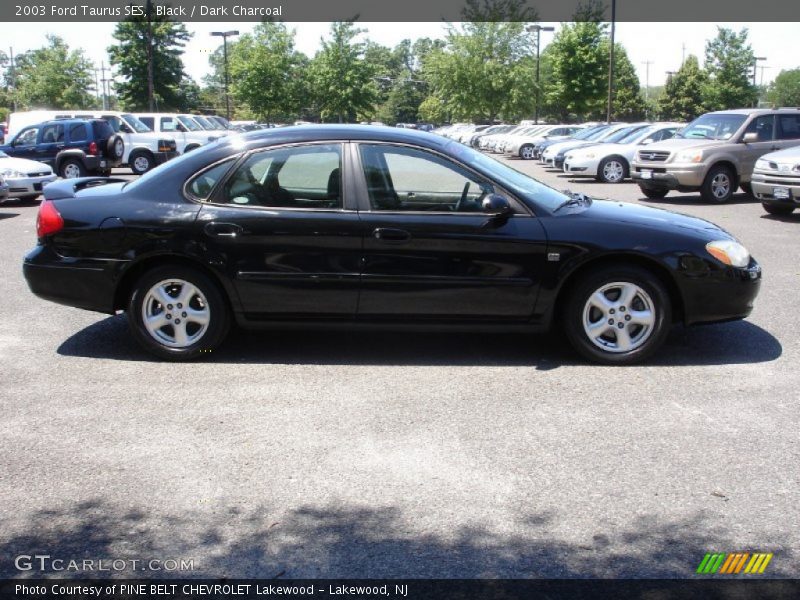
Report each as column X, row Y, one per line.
column 130, row 58
column 628, row 102
column 54, row 77
column 266, row 72
column 682, row 99
column 579, row 62
column 342, row 81
column 785, row 90
column 729, row 59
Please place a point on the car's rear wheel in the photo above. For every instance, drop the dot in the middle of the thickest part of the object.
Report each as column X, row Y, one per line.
column 718, row 186
column 612, row 170
column 526, row 152
column 654, row 193
column 618, row 315
column 72, row 168
column 177, row 313
column 778, row 209
column 140, row 162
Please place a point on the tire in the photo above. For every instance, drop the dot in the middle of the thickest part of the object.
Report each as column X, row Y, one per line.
column 29, row 199
column 612, row 169
column 605, row 344
column 526, row 152
column 654, row 193
column 72, row 168
column 140, row 162
column 778, row 209
column 747, row 188
column 183, row 336
column 719, row 185
column 115, row 147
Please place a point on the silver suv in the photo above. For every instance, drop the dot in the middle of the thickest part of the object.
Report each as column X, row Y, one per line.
column 715, row 153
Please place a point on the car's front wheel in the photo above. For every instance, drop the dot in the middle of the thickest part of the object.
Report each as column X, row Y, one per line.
column 778, row 209
column 177, row 313
column 140, row 162
column 618, row 315
column 526, row 152
column 612, row 170
column 719, row 185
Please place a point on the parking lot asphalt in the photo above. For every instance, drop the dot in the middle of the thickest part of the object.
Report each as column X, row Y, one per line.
column 405, row 455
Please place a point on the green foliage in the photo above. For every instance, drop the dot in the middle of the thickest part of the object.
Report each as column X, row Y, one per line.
column 129, row 57
column 729, row 59
column 341, row 79
column 54, row 77
column 683, row 97
column 785, row 90
column 579, row 59
column 628, row 103
column 264, row 71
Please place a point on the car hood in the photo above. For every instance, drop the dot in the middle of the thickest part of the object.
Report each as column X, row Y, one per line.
column 789, row 156
column 681, row 144
column 23, row 165
column 656, row 218
column 607, row 149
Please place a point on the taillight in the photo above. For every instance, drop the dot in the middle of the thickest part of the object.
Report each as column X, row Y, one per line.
column 49, row 220
column 92, row 147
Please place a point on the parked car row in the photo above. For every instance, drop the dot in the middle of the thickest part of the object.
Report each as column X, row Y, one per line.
column 757, row 150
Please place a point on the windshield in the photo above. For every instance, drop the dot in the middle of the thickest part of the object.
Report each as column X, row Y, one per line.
column 634, row 135
column 204, row 123
column 622, row 133
column 135, row 124
column 189, row 123
column 713, row 127
column 517, row 182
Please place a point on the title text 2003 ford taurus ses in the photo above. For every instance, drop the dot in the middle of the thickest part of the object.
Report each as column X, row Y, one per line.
column 366, row 225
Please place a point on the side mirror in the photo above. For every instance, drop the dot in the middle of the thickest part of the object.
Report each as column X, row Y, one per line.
column 124, row 128
column 180, row 127
column 496, row 205
column 749, row 138
column 647, row 141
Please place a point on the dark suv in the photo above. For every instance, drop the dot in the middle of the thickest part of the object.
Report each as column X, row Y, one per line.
column 73, row 147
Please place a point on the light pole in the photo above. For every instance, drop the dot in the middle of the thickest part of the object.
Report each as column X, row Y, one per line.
column 537, row 29
column 611, row 61
column 224, row 35
column 647, row 64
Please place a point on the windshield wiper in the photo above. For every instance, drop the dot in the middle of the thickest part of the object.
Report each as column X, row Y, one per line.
column 575, row 199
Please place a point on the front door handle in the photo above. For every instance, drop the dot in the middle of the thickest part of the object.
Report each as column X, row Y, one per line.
column 224, row 230
column 388, row 234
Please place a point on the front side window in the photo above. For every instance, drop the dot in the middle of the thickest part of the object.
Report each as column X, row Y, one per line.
column 406, row 179
column 294, row 177
column 168, row 124
column 27, row 137
column 189, row 124
column 149, row 121
column 762, row 127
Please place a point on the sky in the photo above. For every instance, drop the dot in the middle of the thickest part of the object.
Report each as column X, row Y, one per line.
column 660, row 44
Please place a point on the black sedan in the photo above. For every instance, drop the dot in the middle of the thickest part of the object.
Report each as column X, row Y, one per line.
column 371, row 226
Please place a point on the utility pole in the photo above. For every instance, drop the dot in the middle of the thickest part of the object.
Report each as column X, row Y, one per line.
column 537, row 29
column 103, row 81
column 149, row 39
column 647, row 64
column 13, row 79
column 683, row 53
column 611, row 61
column 96, row 83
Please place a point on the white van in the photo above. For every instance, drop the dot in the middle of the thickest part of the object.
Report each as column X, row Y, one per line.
column 142, row 149
column 187, row 133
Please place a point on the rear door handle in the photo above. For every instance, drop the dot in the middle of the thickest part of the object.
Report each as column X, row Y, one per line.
column 388, row 234
column 224, row 230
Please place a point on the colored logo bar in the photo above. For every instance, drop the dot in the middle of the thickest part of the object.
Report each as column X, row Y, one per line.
column 733, row 563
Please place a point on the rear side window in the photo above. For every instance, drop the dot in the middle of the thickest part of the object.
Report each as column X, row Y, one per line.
column 203, row 184
column 52, row 134
column 102, row 130
column 77, row 132
column 788, row 127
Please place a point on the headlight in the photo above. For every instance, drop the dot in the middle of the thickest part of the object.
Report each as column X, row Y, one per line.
column 762, row 164
column 690, row 156
column 12, row 174
column 588, row 155
column 729, row 252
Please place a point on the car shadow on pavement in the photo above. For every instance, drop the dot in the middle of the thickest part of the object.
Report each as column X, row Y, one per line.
column 790, row 218
column 5, row 215
column 739, row 342
column 694, row 199
column 357, row 541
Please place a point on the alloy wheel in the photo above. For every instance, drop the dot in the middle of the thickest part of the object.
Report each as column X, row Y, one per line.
column 175, row 313
column 619, row 317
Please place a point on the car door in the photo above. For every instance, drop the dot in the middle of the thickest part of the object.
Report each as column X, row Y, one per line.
column 764, row 127
column 24, row 144
column 51, row 142
column 429, row 250
column 282, row 224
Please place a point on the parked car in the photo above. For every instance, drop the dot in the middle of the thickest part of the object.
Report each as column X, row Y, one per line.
column 556, row 154
column 715, row 153
column 24, row 178
column 71, row 147
column 583, row 134
column 610, row 162
column 134, row 138
column 3, row 189
column 188, row 134
column 776, row 181
column 525, row 145
column 475, row 140
column 352, row 225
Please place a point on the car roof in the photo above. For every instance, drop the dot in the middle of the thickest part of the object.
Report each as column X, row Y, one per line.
column 756, row 111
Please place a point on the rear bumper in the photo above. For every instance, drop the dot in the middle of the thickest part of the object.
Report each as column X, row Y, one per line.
column 81, row 283
column 94, row 164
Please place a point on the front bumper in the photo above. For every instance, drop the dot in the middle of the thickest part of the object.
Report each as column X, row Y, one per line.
column 87, row 284
column 725, row 294
column 776, row 188
column 161, row 157
column 3, row 192
column 673, row 177
column 580, row 166
column 28, row 186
